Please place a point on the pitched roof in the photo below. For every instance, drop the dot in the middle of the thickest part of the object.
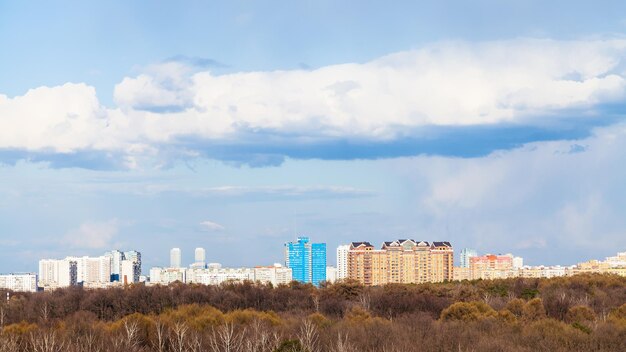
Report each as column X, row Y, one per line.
column 364, row 243
column 442, row 244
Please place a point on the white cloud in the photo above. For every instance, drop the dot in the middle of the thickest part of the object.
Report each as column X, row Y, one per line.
column 444, row 84
column 211, row 226
column 547, row 195
column 94, row 235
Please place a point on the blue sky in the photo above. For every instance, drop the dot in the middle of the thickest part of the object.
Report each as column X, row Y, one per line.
column 497, row 125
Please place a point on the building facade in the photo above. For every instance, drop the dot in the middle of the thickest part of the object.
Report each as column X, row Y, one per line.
column 465, row 255
column 491, row 266
column 26, row 282
column 175, row 258
column 342, row 261
column 306, row 260
column 56, row 273
column 331, row 274
column 401, row 261
column 199, row 258
column 274, row 274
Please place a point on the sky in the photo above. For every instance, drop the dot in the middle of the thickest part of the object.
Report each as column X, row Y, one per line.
column 237, row 126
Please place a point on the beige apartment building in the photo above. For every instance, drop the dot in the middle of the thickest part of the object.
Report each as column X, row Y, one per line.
column 402, row 261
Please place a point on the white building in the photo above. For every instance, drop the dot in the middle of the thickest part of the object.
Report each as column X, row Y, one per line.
column 214, row 276
column 131, row 271
column 19, row 282
column 166, row 276
column 117, row 257
column 55, row 273
column 331, row 274
column 342, row 261
column 518, row 263
column 200, row 258
column 617, row 261
column 92, row 271
column 175, row 258
column 116, row 263
column 275, row 274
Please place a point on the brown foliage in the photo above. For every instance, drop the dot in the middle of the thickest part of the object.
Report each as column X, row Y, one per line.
column 581, row 313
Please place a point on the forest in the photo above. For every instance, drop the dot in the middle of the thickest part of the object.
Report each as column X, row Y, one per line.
column 578, row 313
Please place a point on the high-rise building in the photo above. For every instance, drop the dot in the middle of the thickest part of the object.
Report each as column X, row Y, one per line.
column 175, row 258
column 318, row 263
column 200, row 258
column 465, row 255
column 306, row 260
column 133, row 269
column 55, row 273
column 342, row 261
column 116, row 258
column 401, row 261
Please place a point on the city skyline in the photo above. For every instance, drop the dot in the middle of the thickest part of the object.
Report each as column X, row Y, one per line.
column 494, row 126
column 400, row 261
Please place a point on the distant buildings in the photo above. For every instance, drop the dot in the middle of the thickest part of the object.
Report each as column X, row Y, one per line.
column 214, row 274
column 491, row 266
column 401, row 261
column 26, row 282
column 275, row 274
column 306, row 260
column 90, row 272
column 200, row 258
column 342, row 261
column 55, row 273
column 175, row 258
column 331, row 274
column 125, row 266
column 465, row 255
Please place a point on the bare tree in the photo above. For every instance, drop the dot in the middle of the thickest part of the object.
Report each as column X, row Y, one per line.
column 87, row 342
column 365, row 300
column 9, row 343
column 195, row 343
column 309, row 336
column 45, row 312
column 259, row 339
column 159, row 343
column 131, row 337
column 342, row 344
column 179, row 336
column 3, row 314
column 226, row 339
column 46, row 342
column 316, row 303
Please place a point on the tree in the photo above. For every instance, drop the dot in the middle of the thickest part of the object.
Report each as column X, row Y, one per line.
column 533, row 310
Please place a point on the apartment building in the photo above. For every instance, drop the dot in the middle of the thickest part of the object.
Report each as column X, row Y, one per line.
column 401, row 261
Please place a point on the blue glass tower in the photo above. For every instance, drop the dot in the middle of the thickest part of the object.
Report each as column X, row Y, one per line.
column 307, row 260
column 318, row 263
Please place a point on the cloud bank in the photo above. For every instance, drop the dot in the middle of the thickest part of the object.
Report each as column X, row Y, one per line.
column 547, row 196
column 93, row 235
column 423, row 101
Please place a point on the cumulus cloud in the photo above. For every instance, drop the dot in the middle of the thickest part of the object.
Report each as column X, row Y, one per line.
column 93, row 235
column 174, row 110
column 211, row 226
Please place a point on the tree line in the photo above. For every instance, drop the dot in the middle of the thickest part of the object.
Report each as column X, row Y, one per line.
column 581, row 313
